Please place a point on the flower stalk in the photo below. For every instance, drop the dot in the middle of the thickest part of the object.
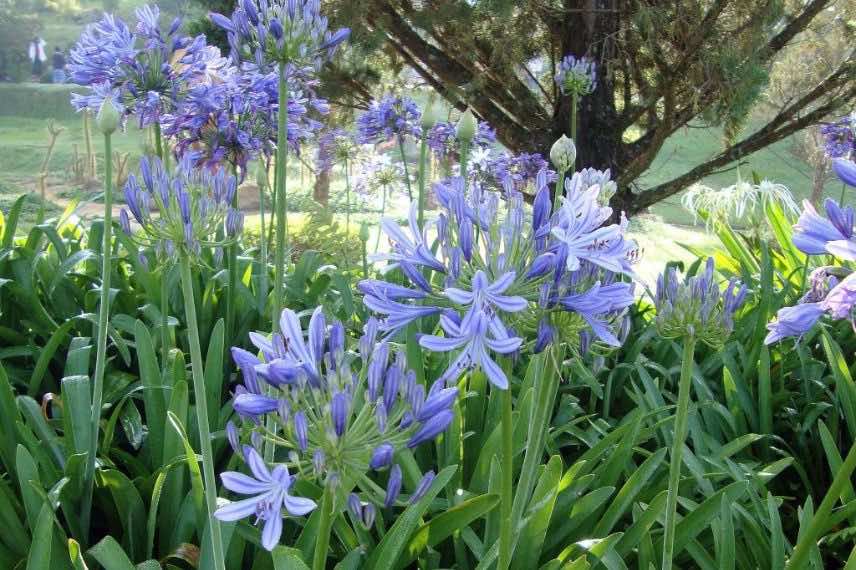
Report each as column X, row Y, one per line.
column 404, row 165
column 325, row 525
column 103, row 322
column 423, row 172
column 198, row 376
column 281, row 197
column 678, row 438
column 506, row 494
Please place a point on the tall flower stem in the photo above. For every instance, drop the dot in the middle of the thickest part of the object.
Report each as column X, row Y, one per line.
column 678, row 438
column 325, row 525
column 843, row 193
column 263, row 245
column 347, row 168
column 103, row 321
column 423, row 171
column 573, row 135
column 281, row 207
column 281, row 196
column 820, row 520
column 164, row 324
column 404, row 165
column 164, row 290
column 232, row 265
column 196, row 364
column 506, row 489
column 382, row 211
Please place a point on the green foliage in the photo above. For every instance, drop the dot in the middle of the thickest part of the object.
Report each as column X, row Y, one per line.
column 769, row 429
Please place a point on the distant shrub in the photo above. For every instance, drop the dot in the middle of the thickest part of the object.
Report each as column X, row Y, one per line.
column 37, row 100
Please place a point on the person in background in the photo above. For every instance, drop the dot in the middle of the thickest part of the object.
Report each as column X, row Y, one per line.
column 37, row 56
column 58, row 65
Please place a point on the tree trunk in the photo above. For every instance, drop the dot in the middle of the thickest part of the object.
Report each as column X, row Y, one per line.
column 588, row 28
column 321, row 189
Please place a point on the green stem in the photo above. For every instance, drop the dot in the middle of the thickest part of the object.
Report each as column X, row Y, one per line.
column 406, row 171
column 158, row 141
column 322, row 544
column 103, row 322
column 382, row 210
column 678, row 438
column 164, row 324
column 423, row 155
column 560, row 190
column 164, row 290
column 820, row 520
column 506, row 495
column 281, row 199
column 573, row 135
column 347, row 212
column 365, row 261
column 232, row 265
column 281, row 225
column 843, row 192
column 196, row 364
column 263, row 242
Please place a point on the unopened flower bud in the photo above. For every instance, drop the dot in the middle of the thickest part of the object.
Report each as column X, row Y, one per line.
column 466, row 127
column 563, row 153
column 364, row 232
column 432, row 115
column 108, row 117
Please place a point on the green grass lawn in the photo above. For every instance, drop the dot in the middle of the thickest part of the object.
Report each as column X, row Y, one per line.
column 691, row 147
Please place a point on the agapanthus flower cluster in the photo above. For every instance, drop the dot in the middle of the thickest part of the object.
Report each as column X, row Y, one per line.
column 509, row 173
column 335, row 145
column 378, row 172
column 506, row 279
column 833, row 288
column 235, row 120
column 584, row 179
column 393, row 116
column 443, row 141
column 146, row 69
column 180, row 213
column 333, row 423
column 840, row 137
column 695, row 307
column 576, row 75
column 269, row 33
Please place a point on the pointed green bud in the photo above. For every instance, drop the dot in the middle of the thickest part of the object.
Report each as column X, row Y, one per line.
column 563, row 153
column 432, row 114
column 261, row 175
column 108, row 117
column 466, row 127
column 364, row 232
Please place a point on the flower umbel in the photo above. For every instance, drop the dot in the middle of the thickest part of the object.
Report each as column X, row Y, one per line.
column 696, row 307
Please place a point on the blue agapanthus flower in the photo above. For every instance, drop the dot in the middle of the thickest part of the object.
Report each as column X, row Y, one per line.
column 338, row 424
column 272, row 32
column 576, row 75
column 514, row 173
column 696, row 306
column 443, row 141
column 833, row 234
column 270, row 490
column 392, row 116
column 149, row 67
column 235, row 120
column 840, row 137
column 833, row 288
column 182, row 212
column 503, row 279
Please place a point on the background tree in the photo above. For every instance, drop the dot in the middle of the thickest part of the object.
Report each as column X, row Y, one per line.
column 662, row 65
